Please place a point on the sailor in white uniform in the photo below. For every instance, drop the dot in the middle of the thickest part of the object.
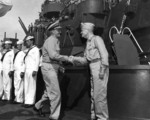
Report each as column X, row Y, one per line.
column 1, row 80
column 32, row 60
column 19, row 69
column 7, row 64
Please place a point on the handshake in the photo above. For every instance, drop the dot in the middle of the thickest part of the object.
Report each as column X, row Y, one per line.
column 71, row 59
column 74, row 60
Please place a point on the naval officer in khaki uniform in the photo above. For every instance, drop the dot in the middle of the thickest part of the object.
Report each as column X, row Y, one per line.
column 97, row 57
column 50, row 66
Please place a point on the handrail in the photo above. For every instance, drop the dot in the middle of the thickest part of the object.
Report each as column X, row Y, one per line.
column 131, row 34
column 127, row 28
column 118, row 32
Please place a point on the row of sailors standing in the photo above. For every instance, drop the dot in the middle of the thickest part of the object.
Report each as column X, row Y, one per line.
column 22, row 67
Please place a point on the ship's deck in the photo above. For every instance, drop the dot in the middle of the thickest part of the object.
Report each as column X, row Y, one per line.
column 10, row 111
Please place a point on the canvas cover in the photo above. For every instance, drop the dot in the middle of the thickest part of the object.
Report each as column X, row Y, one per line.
column 126, row 51
column 5, row 6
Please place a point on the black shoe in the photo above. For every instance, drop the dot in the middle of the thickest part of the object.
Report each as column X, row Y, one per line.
column 53, row 119
column 22, row 105
column 39, row 111
column 27, row 106
column 9, row 101
column 14, row 102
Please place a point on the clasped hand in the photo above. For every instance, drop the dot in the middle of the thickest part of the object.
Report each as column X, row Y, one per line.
column 10, row 74
column 71, row 59
column 101, row 75
column 102, row 71
column 34, row 73
column 22, row 74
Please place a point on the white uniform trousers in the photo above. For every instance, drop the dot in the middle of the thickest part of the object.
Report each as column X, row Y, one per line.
column 1, row 85
column 29, row 87
column 52, row 91
column 18, row 85
column 99, row 108
column 7, row 85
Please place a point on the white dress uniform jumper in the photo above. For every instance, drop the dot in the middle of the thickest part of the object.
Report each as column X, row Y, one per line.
column 1, row 80
column 7, row 64
column 32, row 60
column 18, row 81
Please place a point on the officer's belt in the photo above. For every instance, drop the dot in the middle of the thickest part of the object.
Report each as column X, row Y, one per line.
column 51, row 62
column 95, row 60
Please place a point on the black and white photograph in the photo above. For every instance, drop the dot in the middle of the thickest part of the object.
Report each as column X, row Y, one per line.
column 74, row 60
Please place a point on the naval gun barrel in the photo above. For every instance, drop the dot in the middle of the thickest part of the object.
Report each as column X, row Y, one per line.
column 23, row 26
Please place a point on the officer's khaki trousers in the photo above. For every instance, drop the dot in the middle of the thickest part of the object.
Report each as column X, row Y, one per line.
column 99, row 107
column 52, row 91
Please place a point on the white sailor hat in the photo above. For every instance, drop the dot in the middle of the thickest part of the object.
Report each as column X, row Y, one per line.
column 55, row 25
column 87, row 26
column 19, row 42
column 8, row 42
column 29, row 38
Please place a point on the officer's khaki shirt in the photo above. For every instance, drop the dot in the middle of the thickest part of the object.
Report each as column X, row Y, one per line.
column 51, row 50
column 95, row 49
